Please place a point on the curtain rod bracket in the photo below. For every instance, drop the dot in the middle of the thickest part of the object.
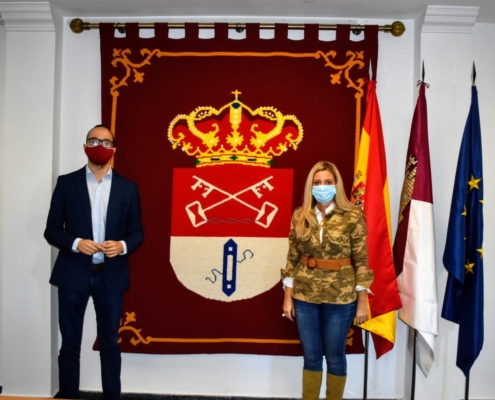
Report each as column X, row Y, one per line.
column 77, row 25
column 120, row 27
column 357, row 30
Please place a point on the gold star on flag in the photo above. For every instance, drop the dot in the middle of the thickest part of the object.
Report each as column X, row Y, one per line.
column 473, row 183
column 469, row 267
column 482, row 202
column 481, row 251
column 465, row 211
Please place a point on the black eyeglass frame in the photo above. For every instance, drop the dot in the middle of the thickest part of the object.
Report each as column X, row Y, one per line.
column 100, row 141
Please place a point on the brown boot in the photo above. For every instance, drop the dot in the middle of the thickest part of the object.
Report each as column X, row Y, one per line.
column 311, row 384
column 335, row 387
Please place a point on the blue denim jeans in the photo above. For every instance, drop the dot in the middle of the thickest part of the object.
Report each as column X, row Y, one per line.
column 71, row 309
column 323, row 330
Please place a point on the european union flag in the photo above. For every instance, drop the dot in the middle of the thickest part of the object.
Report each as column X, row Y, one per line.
column 463, row 256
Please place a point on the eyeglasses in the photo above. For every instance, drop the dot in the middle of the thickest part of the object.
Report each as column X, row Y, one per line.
column 93, row 142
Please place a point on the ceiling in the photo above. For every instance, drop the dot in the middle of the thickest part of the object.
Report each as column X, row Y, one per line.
column 299, row 9
column 303, row 10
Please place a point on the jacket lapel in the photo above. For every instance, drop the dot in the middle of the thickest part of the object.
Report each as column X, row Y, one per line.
column 113, row 201
column 82, row 188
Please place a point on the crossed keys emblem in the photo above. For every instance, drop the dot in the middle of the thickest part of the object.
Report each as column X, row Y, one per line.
column 265, row 214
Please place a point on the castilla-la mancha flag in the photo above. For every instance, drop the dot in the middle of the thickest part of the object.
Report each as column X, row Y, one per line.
column 414, row 246
column 370, row 190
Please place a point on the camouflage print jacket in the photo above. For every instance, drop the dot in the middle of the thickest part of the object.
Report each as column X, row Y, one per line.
column 344, row 235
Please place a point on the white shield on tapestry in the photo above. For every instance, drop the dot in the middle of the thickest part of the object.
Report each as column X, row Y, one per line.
column 231, row 214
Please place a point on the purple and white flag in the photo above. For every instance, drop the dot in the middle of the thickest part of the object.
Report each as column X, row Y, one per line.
column 414, row 246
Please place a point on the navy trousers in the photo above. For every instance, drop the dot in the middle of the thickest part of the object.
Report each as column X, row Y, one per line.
column 323, row 331
column 72, row 306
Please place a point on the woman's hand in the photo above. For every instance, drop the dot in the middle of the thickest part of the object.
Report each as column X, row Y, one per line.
column 288, row 306
column 362, row 307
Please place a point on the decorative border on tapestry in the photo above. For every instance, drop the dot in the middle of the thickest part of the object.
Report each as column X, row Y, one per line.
column 134, row 69
column 354, row 60
column 138, row 338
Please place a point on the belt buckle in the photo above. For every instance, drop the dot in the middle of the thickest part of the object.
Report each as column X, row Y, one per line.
column 308, row 258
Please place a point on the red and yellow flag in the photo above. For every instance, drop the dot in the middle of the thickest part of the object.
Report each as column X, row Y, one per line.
column 370, row 190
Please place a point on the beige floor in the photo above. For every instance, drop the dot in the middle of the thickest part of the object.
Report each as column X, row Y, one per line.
column 19, row 398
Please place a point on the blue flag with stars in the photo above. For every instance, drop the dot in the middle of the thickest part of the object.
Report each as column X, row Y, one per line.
column 463, row 256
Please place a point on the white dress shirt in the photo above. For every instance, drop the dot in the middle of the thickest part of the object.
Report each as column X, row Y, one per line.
column 99, row 194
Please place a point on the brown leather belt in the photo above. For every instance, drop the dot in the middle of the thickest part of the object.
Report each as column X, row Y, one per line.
column 332, row 264
column 97, row 267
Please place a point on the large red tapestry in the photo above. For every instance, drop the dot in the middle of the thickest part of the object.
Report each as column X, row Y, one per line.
column 220, row 135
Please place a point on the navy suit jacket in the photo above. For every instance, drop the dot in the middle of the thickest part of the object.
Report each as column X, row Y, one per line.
column 70, row 218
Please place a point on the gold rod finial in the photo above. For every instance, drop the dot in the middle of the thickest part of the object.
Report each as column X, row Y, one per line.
column 76, row 25
column 398, row 28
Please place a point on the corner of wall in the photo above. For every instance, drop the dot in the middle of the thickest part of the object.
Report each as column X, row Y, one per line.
column 26, row 109
column 2, row 134
column 59, row 22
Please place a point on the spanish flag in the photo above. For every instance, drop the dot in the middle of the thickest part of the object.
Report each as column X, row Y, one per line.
column 370, row 191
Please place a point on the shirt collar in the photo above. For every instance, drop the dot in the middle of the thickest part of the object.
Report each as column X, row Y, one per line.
column 108, row 175
column 327, row 210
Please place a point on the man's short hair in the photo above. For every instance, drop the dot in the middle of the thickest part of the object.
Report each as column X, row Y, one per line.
column 101, row 126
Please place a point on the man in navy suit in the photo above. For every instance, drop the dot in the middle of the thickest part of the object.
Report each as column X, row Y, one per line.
column 95, row 222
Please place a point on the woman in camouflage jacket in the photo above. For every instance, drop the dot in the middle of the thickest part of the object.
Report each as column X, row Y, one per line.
column 326, row 278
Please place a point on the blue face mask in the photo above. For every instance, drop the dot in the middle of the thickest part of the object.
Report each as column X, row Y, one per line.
column 324, row 194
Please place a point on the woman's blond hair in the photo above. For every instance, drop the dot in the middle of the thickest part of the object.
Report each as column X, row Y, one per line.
column 307, row 218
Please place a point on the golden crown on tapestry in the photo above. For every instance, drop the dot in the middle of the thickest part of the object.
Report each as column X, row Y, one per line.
column 235, row 134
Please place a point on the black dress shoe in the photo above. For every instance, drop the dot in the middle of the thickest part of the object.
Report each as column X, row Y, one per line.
column 59, row 396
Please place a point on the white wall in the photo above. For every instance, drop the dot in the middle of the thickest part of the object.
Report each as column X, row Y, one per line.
column 449, row 59
column 32, row 154
column 26, row 189
column 57, row 93
column 2, row 134
column 262, row 376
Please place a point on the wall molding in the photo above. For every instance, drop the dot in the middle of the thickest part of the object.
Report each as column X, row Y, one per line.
column 27, row 16
column 449, row 19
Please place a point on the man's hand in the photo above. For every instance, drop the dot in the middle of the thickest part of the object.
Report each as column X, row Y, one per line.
column 89, row 247
column 112, row 248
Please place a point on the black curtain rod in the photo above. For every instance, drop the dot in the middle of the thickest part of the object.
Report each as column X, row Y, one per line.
column 77, row 25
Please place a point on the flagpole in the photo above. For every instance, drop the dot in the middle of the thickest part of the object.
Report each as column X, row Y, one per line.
column 413, row 380
column 366, row 351
column 466, row 392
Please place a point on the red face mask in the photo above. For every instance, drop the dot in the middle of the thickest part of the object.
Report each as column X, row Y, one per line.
column 98, row 154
